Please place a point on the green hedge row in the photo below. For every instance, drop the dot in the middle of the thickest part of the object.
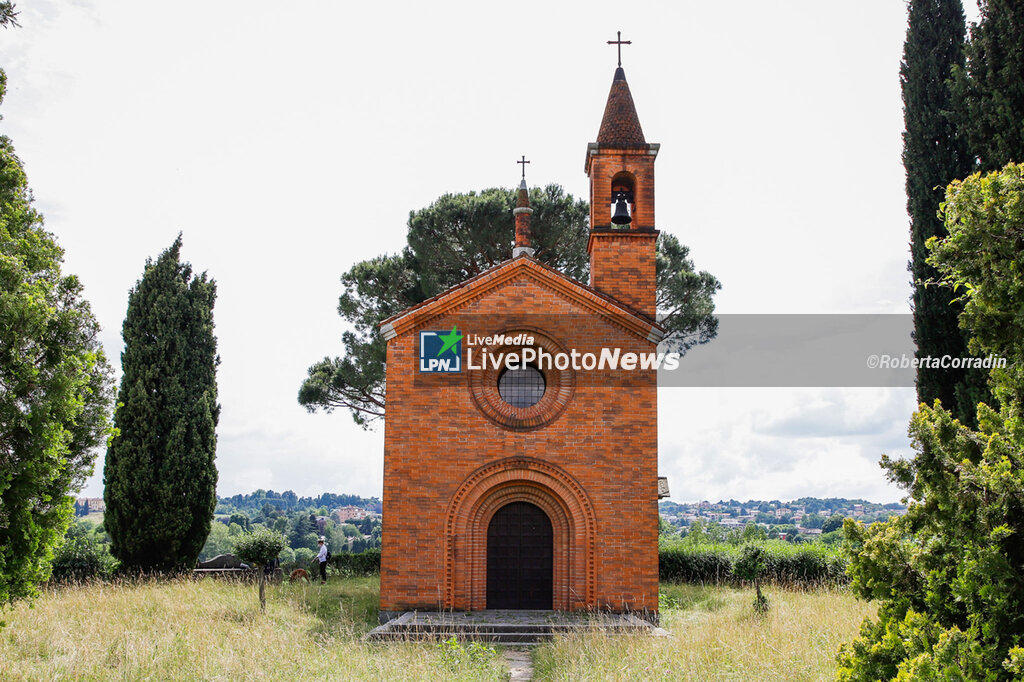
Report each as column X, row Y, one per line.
column 363, row 563
column 786, row 564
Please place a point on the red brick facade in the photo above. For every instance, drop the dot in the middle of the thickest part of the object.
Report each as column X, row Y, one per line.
column 622, row 266
column 586, row 454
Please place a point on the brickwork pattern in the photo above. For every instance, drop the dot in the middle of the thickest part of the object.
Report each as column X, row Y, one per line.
column 593, row 467
column 623, row 265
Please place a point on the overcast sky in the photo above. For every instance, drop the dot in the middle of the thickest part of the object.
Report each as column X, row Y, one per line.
column 289, row 141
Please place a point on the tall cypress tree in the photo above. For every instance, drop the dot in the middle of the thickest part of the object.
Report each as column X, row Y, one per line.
column 990, row 91
column 933, row 155
column 160, row 479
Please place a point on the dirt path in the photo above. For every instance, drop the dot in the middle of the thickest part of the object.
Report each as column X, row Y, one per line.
column 519, row 664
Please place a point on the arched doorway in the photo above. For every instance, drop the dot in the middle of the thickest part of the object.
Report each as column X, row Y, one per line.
column 496, row 485
column 520, row 557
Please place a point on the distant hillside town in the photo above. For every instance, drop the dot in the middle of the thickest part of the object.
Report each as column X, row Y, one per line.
column 808, row 515
column 354, row 523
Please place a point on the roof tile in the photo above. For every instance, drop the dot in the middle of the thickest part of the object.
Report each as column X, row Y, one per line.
column 620, row 127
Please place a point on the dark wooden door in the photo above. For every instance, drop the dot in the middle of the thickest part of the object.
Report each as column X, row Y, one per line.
column 520, row 554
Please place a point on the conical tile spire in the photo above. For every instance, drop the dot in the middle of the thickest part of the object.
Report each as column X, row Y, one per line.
column 620, row 127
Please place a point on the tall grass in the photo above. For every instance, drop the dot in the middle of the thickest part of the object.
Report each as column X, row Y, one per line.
column 715, row 635
column 213, row 630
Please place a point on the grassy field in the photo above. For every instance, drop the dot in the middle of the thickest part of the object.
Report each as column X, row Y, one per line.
column 212, row 630
column 715, row 635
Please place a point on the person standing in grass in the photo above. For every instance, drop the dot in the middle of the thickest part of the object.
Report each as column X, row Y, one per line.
column 322, row 556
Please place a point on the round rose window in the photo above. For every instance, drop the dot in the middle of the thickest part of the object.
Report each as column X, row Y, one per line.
column 527, row 397
column 521, row 387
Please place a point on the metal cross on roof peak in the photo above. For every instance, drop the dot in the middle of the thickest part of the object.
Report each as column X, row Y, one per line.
column 619, row 42
column 524, row 162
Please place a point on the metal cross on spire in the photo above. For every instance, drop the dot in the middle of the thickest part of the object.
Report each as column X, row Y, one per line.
column 620, row 42
column 524, row 162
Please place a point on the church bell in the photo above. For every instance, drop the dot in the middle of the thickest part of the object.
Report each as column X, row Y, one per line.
column 621, row 215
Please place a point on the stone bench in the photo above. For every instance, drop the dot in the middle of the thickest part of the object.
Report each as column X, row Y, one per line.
column 230, row 566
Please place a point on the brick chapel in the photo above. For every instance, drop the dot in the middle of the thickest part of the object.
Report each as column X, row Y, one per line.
column 533, row 487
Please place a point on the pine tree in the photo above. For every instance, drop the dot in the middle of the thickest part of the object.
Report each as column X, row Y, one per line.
column 459, row 236
column 990, row 91
column 160, row 478
column 933, row 155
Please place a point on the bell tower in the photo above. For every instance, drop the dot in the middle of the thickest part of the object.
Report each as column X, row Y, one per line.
column 622, row 233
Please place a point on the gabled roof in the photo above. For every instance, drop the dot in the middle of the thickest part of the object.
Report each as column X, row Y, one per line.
column 544, row 275
column 620, row 126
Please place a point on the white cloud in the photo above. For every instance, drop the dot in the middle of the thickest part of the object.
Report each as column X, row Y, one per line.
column 776, row 443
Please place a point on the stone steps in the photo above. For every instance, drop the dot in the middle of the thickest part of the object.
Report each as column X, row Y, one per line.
column 516, row 638
column 506, row 627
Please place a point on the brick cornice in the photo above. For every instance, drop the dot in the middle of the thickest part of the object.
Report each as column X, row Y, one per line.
column 619, row 235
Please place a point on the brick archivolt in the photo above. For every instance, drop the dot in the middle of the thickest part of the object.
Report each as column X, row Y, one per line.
column 519, row 479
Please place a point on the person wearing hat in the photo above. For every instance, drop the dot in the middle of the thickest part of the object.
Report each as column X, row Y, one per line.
column 321, row 557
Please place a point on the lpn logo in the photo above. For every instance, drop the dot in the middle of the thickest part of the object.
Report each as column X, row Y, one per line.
column 441, row 352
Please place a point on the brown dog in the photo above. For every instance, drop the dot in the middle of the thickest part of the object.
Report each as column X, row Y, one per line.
column 298, row 574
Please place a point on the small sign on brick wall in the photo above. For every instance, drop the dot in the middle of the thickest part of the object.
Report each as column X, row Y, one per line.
column 663, row 487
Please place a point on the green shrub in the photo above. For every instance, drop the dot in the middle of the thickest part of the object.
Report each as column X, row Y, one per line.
column 696, row 563
column 303, row 557
column 363, row 563
column 784, row 563
column 751, row 565
column 474, row 657
column 949, row 575
column 259, row 548
column 83, row 556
